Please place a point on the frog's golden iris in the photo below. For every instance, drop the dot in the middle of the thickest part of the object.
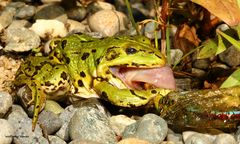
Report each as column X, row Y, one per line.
column 127, row 71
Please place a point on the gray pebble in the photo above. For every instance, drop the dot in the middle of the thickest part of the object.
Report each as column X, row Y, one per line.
column 176, row 55
column 51, row 11
column 17, row 112
column 225, row 139
column 15, row 41
column 50, row 1
column 201, row 63
column 5, row 103
column 17, row 24
column 190, row 137
column 176, row 138
column 6, row 17
column 76, row 27
column 77, row 13
column 6, row 132
column 108, row 22
column 23, row 131
column 16, row 5
column 91, row 124
column 149, row 31
column 198, row 72
column 49, row 121
column 231, row 56
column 66, row 116
column 99, row 5
column 82, row 141
column 119, row 123
column 55, row 140
column 25, row 12
column 150, row 127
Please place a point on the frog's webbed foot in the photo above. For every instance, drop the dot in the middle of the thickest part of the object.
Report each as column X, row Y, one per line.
column 125, row 97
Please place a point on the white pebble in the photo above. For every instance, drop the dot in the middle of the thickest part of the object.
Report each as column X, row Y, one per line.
column 6, row 132
column 49, row 28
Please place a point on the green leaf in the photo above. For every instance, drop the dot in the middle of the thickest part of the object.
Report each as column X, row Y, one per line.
column 232, row 80
column 234, row 42
column 209, row 49
column 221, row 47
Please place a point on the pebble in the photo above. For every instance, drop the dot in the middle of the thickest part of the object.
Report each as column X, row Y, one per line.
column 6, row 132
column 150, row 127
column 48, row 29
column 225, row 139
column 201, row 63
column 55, row 140
column 91, row 124
column 66, row 116
column 190, row 137
column 133, row 141
column 49, row 121
column 198, row 72
column 17, row 24
column 77, row 13
column 16, row 5
column 82, row 141
column 176, row 138
column 25, row 12
column 108, row 22
column 15, row 41
column 53, row 106
column 149, row 30
column 231, row 56
column 23, row 130
column 176, row 55
column 6, row 17
column 119, row 123
column 51, row 11
column 50, row 1
column 5, row 103
column 98, row 6
column 76, row 27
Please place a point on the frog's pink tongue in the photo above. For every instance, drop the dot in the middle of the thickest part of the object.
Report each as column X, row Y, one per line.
column 158, row 77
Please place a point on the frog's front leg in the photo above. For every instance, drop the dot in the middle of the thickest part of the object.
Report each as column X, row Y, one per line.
column 127, row 97
column 45, row 81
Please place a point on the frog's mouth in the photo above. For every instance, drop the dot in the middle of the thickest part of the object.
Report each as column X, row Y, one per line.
column 144, row 78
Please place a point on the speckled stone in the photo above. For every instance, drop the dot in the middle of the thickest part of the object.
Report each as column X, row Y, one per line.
column 150, row 127
column 91, row 124
column 6, row 132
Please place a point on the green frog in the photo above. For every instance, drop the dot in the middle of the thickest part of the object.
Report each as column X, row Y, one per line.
column 124, row 70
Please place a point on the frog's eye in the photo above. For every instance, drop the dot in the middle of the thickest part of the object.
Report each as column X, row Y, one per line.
column 131, row 50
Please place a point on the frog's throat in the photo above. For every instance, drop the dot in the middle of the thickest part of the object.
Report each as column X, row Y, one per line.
column 133, row 78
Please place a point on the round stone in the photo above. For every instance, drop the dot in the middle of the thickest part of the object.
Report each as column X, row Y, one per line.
column 6, row 132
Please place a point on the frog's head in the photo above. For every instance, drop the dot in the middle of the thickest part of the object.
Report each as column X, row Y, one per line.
column 135, row 65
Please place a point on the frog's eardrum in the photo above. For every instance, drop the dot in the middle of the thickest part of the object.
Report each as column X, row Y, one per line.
column 161, row 77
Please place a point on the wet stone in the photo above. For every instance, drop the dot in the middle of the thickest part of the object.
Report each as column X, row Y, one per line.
column 91, row 124
column 150, row 127
column 201, row 63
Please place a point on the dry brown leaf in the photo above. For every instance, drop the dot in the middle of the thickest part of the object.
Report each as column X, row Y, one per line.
column 226, row 10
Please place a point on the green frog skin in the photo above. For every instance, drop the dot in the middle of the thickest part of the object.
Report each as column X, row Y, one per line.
column 117, row 69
